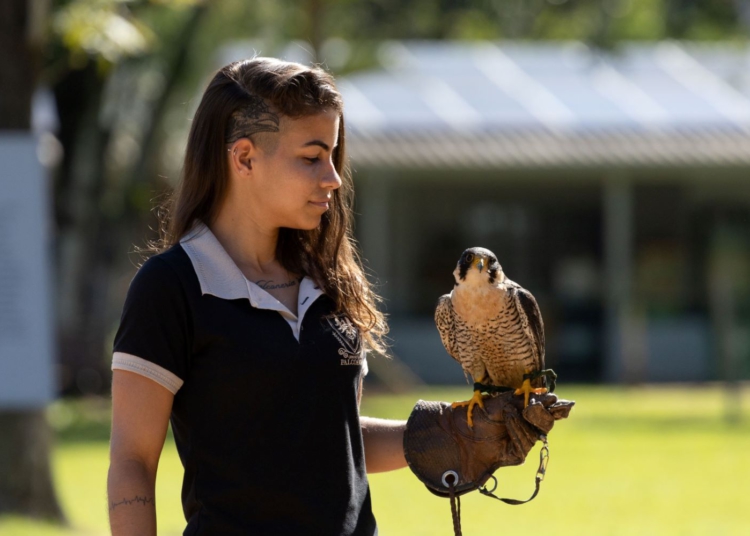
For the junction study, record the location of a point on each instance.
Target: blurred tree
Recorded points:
(598, 22)
(25, 479)
(111, 76)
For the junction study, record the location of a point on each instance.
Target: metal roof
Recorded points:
(550, 104)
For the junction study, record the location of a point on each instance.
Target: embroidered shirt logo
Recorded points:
(348, 337)
(345, 326)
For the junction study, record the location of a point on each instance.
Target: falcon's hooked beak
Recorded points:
(479, 263)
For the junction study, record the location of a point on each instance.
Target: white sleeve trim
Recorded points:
(133, 363)
(365, 368)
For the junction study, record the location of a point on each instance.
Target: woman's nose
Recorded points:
(331, 179)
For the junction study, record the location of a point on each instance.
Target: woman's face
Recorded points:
(291, 184)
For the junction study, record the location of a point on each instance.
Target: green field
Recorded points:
(641, 461)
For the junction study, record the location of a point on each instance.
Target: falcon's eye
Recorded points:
(469, 257)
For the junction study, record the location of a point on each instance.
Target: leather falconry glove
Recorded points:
(438, 439)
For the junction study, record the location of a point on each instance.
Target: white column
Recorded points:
(26, 333)
(374, 227)
(624, 350)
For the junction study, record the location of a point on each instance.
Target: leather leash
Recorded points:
(456, 501)
(455, 507)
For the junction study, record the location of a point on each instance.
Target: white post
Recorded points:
(26, 349)
(624, 350)
(373, 229)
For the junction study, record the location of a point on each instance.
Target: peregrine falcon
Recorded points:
(492, 326)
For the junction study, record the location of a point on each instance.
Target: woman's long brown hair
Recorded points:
(328, 254)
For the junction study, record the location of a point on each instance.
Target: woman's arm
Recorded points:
(140, 415)
(384, 444)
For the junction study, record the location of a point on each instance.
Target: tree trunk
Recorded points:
(79, 184)
(16, 68)
(25, 438)
(315, 14)
(25, 477)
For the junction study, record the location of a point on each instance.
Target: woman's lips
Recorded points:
(321, 204)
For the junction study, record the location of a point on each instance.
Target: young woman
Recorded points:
(248, 329)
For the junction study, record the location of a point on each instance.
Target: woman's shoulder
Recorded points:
(168, 270)
(174, 256)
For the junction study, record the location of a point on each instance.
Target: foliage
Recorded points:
(108, 31)
(600, 22)
(99, 28)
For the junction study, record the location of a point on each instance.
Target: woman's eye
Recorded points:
(312, 160)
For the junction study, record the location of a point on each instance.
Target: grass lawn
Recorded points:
(648, 460)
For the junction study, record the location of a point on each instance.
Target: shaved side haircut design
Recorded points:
(251, 119)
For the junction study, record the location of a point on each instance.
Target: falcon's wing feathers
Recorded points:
(534, 317)
(445, 320)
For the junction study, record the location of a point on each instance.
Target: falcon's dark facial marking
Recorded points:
(493, 267)
(493, 275)
(464, 263)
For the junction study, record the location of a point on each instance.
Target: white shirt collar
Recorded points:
(219, 275)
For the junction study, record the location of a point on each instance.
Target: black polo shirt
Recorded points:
(265, 413)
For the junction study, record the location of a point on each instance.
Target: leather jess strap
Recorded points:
(456, 501)
(455, 509)
(540, 472)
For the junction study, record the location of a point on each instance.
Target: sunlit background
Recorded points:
(599, 148)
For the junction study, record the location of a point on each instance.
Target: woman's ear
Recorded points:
(241, 155)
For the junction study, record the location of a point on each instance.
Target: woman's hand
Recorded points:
(140, 415)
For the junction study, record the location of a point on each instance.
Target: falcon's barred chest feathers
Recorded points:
(491, 325)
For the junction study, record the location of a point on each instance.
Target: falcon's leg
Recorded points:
(476, 400)
(526, 389)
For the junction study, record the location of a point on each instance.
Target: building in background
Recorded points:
(613, 185)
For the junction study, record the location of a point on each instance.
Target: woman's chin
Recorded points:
(308, 225)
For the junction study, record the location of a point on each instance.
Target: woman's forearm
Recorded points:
(384, 444)
(132, 500)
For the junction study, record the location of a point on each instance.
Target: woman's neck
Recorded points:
(251, 245)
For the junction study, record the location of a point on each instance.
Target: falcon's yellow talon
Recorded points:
(526, 389)
(476, 400)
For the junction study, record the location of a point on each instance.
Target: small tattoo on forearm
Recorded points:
(267, 284)
(135, 500)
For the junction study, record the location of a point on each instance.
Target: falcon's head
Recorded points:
(478, 266)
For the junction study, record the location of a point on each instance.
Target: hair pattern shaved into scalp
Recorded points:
(251, 119)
